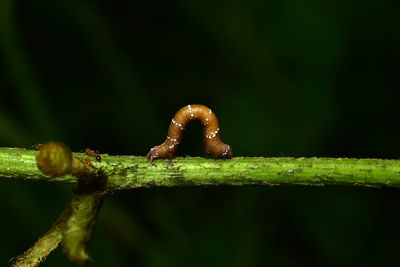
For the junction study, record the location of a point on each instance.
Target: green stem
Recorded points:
(73, 228)
(128, 172)
(80, 225)
(45, 245)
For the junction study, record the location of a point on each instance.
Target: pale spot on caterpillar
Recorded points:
(212, 143)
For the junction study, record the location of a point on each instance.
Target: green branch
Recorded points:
(128, 172)
(74, 228)
(45, 245)
(95, 180)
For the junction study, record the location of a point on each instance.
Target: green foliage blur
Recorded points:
(285, 78)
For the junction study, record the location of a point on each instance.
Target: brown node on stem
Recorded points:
(55, 159)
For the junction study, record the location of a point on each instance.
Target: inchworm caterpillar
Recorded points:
(212, 143)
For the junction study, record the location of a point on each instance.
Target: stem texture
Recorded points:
(128, 172)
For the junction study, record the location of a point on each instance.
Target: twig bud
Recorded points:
(54, 159)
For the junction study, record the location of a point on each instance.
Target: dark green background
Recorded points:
(285, 78)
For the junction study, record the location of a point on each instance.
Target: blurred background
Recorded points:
(285, 78)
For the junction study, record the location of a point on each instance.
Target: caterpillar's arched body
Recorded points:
(212, 143)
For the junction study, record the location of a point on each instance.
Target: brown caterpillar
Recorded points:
(212, 143)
